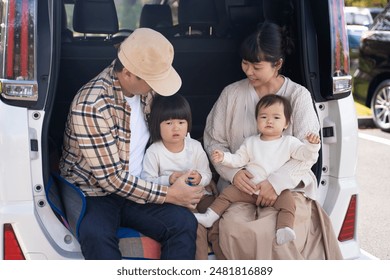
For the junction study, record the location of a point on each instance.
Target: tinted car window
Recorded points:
(128, 15)
(382, 21)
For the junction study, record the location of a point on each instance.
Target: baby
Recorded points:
(261, 155)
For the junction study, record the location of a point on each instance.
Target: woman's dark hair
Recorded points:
(269, 43)
(167, 108)
(271, 99)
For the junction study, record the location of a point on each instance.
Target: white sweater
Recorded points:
(232, 119)
(261, 158)
(159, 163)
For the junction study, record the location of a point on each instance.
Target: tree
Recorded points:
(366, 3)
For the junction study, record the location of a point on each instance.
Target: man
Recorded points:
(104, 143)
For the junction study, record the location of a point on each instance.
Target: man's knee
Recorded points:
(186, 220)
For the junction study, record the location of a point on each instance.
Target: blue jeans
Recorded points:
(171, 225)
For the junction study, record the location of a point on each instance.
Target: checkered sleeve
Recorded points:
(98, 146)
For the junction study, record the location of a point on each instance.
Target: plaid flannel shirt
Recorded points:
(97, 142)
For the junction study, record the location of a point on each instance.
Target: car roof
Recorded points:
(356, 27)
(356, 9)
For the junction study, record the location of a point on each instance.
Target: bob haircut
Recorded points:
(168, 108)
(272, 99)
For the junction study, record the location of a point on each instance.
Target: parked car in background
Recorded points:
(358, 16)
(358, 21)
(375, 11)
(355, 32)
(372, 78)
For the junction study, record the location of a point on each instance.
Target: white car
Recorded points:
(358, 16)
(49, 48)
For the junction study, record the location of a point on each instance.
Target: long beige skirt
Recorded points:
(247, 232)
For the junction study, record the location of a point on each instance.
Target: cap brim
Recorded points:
(167, 86)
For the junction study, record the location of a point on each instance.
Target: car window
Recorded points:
(382, 21)
(348, 18)
(128, 12)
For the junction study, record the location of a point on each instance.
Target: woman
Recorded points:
(245, 232)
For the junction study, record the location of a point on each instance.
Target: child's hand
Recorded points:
(217, 156)
(174, 176)
(257, 189)
(313, 138)
(194, 178)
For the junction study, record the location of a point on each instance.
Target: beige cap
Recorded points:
(149, 55)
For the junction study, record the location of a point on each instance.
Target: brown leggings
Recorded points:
(285, 204)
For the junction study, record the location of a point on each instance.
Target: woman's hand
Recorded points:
(267, 195)
(243, 181)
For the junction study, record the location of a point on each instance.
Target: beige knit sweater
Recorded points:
(232, 119)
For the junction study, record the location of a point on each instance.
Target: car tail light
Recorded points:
(342, 84)
(12, 250)
(17, 50)
(342, 81)
(347, 231)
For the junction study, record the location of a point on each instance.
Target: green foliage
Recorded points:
(366, 3)
(128, 15)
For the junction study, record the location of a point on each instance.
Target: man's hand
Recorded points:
(267, 195)
(243, 181)
(184, 195)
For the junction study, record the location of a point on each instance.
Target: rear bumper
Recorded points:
(366, 256)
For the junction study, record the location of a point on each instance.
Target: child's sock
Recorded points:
(208, 218)
(284, 235)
